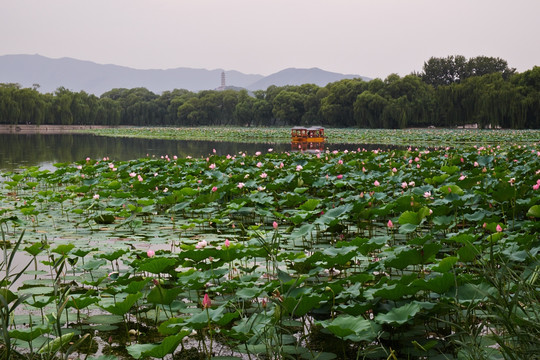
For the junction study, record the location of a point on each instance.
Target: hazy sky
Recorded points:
(372, 38)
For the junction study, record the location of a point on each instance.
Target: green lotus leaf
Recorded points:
(63, 249)
(345, 325)
(114, 255)
(450, 170)
(162, 296)
(400, 315)
(534, 211)
(445, 264)
(29, 334)
(451, 189)
(310, 204)
(409, 217)
(167, 346)
(157, 265)
(124, 306)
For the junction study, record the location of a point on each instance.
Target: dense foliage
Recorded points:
(417, 254)
(449, 92)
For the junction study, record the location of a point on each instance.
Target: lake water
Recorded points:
(17, 150)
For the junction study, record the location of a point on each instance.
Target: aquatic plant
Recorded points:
(418, 253)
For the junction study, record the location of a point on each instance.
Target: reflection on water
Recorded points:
(17, 150)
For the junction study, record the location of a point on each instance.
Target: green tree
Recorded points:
(444, 71)
(368, 109)
(288, 107)
(483, 65)
(243, 112)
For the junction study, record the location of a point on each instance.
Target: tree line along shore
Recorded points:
(449, 92)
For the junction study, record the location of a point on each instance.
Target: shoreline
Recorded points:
(48, 129)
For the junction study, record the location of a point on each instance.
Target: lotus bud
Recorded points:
(206, 303)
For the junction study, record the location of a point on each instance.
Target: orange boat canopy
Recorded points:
(311, 134)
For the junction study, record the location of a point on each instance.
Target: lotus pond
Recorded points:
(400, 254)
(406, 137)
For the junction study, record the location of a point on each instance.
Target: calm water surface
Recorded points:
(18, 150)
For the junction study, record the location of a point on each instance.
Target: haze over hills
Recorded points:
(77, 75)
(294, 76)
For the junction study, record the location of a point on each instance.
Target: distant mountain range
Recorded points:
(77, 75)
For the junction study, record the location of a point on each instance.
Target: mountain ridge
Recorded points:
(94, 78)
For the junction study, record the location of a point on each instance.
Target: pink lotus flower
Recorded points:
(394, 170)
(240, 185)
(299, 167)
(150, 253)
(259, 164)
(390, 224)
(340, 162)
(132, 174)
(462, 177)
(275, 225)
(404, 185)
(281, 165)
(214, 189)
(412, 183)
(536, 186)
(475, 164)
(376, 183)
(484, 225)
(227, 243)
(212, 166)
(139, 177)
(201, 244)
(264, 175)
(499, 228)
(96, 197)
(427, 194)
(257, 153)
(339, 177)
(206, 303)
